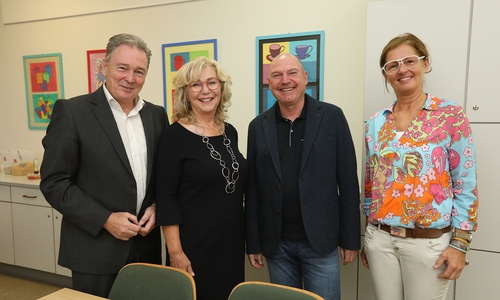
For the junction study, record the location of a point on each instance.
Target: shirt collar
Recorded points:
(303, 113)
(139, 102)
(428, 105)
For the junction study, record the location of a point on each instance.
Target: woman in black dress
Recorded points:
(201, 178)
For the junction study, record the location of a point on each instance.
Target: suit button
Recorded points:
(278, 211)
(278, 187)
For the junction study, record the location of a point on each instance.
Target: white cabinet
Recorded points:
(6, 235)
(442, 25)
(479, 280)
(5, 193)
(482, 102)
(365, 284)
(488, 165)
(348, 276)
(29, 227)
(57, 218)
(33, 230)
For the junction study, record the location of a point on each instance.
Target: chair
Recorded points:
(148, 281)
(252, 290)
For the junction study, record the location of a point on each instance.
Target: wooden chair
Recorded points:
(252, 290)
(149, 281)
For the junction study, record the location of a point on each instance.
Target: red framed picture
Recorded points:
(95, 61)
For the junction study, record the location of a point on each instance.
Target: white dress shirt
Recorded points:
(134, 140)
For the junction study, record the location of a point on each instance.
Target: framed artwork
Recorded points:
(95, 60)
(177, 54)
(44, 85)
(308, 47)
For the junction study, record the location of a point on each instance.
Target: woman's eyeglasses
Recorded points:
(211, 83)
(409, 62)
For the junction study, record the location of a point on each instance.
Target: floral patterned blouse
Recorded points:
(427, 177)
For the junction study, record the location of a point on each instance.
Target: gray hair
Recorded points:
(127, 39)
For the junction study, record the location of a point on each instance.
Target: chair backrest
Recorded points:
(148, 281)
(269, 291)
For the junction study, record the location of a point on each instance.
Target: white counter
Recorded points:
(21, 181)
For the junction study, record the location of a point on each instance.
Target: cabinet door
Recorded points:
(442, 25)
(479, 280)
(6, 235)
(348, 278)
(5, 193)
(33, 237)
(488, 165)
(57, 240)
(482, 92)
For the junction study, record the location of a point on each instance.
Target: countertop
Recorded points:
(21, 181)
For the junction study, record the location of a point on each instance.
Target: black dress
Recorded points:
(190, 191)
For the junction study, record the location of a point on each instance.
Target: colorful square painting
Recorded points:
(307, 47)
(44, 85)
(177, 54)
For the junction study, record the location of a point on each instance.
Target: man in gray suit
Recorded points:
(98, 171)
(302, 200)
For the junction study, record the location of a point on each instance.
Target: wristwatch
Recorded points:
(462, 235)
(460, 245)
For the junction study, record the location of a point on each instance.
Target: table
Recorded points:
(69, 294)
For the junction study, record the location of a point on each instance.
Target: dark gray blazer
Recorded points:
(86, 176)
(328, 182)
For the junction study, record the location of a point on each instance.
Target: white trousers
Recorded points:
(403, 268)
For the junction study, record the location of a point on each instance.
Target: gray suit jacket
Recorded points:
(328, 182)
(86, 176)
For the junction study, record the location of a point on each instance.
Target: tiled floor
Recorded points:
(13, 288)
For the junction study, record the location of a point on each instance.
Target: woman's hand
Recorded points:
(364, 259)
(455, 260)
(181, 261)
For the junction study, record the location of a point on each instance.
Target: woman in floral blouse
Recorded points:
(420, 185)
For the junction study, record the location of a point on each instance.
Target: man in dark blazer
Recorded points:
(98, 171)
(302, 200)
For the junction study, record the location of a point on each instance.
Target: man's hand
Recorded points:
(122, 225)
(348, 256)
(148, 221)
(256, 260)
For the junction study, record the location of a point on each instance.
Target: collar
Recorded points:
(430, 104)
(139, 102)
(303, 113)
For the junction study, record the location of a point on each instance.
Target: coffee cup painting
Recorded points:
(307, 47)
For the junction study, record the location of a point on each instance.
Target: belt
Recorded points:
(428, 233)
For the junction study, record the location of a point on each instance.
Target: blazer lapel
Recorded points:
(105, 117)
(271, 134)
(313, 120)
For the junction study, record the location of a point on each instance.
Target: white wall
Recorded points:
(234, 23)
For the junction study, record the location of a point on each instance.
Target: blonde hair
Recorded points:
(191, 72)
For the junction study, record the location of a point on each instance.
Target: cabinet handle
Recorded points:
(31, 197)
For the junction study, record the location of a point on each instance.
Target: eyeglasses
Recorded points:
(211, 83)
(409, 62)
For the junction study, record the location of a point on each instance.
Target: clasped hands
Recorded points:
(124, 225)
